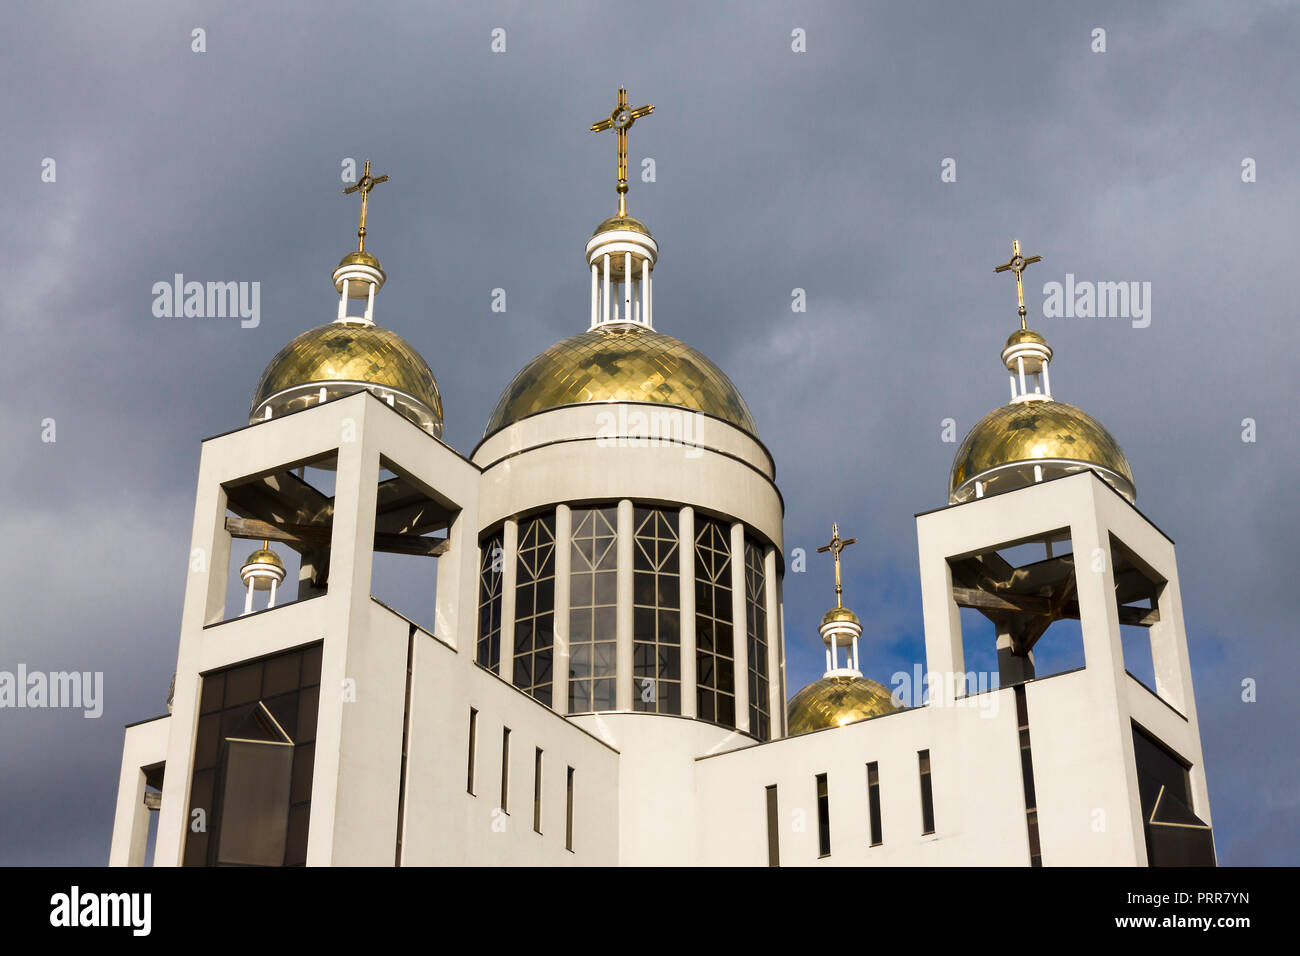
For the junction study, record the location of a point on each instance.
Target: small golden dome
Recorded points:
(263, 556)
(359, 258)
(1022, 336)
(621, 364)
(345, 357)
(1003, 447)
(624, 223)
(836, 701)
(840, 614)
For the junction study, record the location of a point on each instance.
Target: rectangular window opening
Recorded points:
(473, 743)
(823, 816)
(568, 811)
(927, 793)
(873, 803)
(537, 791)
(505, 769)
(773, 829)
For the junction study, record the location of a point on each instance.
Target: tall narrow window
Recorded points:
(489, 602)
(823, 816)
(656, 613)
(756, 638)
(505, 769)
(593, 599)
(537, 790)
(473, 745)
(535, 607)
(568, 810)
(715, 697)
(773, 829)
(873, 803)
(927, 794)
(1027, 777)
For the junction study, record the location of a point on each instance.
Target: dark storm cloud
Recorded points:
(775, 170)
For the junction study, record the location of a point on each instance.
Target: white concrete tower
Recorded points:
(1041, 528)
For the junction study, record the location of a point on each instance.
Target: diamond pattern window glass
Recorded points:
(656, 612)
(491, 562)
(756, 639)
(535, 606)
(715, 665)
(593, 599)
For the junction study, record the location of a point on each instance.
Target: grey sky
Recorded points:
(775, 170)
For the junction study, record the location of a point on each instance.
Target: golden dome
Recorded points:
(838, 614)
(263, 556)
(625, 223)
(1003, 447)
(1021, 336)
(359, 257)
(344, 357)
(621, 364)
(836, 701)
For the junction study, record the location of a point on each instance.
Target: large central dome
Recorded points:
(621, 364)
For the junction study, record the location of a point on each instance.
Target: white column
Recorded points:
(1047, 382)
(370, 304)
(604, 296)
(563, 560)
(739, 625)
(248, 599)
(509, 577)
(1013, 386)
(343, 300)
(595, 297)
(1020, 367)
(627, 286)
(686, 564)
(645, 291)
(271, 603)
(775, 703)
(649, 301)
(623, 616)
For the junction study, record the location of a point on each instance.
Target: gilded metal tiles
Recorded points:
(836, 701)
(621, 365)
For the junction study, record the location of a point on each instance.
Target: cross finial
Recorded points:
(366, 184)
(837, 545)
(1017, 264)
(621, 121)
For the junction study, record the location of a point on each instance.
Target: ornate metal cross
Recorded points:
(1017, 264)
(837, 545)
(366, 184)
(621, 121)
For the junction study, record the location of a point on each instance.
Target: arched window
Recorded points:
(756, 638)
(491, 562)
(656, 612)
(593, 600)
(715, 664)
(535, 606)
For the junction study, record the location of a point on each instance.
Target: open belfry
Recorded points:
(601, 679)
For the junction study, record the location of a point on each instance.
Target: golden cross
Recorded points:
(1017, 264)
(366, 184)
(621, 121)
(837, 545)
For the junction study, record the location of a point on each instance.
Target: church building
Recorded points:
(602, 680)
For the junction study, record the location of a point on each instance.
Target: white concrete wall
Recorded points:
(979, 808)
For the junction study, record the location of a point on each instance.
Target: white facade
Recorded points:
(650, 788)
